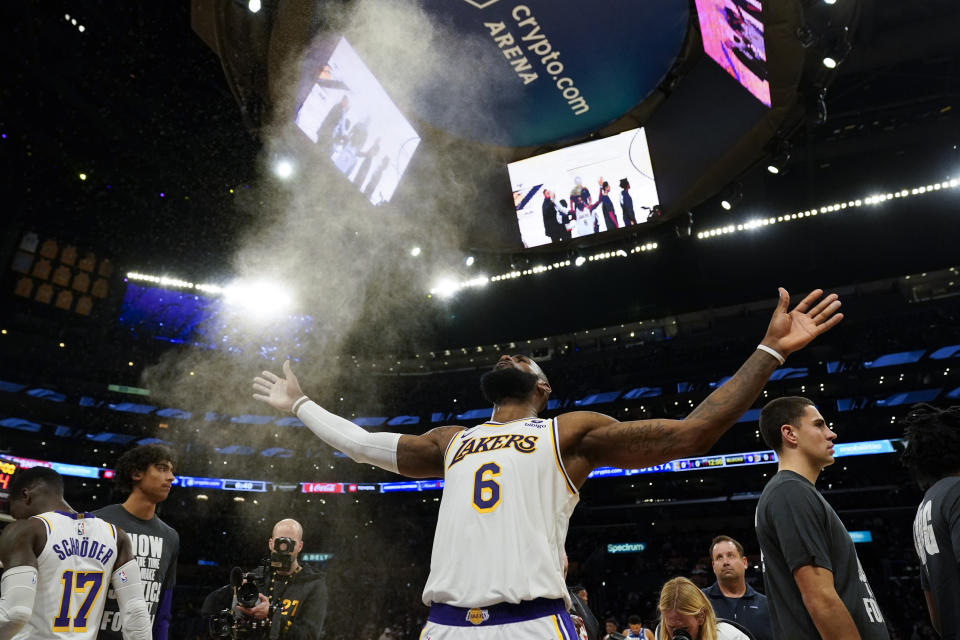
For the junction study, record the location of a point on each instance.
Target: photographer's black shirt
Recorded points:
(936, 537)
(796, 528)
(301, 601)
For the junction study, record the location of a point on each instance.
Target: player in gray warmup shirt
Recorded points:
(815, 585)
(933, 457)
(147, 473)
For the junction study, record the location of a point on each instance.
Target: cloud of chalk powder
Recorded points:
(346, 263)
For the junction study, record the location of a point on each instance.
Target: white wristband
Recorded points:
(297, 404)
(378, 449)
(773, 352)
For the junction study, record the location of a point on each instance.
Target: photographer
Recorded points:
(284, 598)
(686, 614)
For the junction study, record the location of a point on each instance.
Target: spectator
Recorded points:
(610, 626)
(635, 629)
(584, 621)
(732, 598)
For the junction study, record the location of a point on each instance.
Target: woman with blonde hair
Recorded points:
(684, 608)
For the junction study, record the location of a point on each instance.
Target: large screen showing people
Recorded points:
(345, 111)
(732, 33)
(585, 189)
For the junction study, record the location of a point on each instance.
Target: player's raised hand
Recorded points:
(279, 393)
(791, 331)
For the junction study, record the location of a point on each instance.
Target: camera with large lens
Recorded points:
(281, 558)
(681, 634)
(230, 623)
(248, 591)
(220, 625)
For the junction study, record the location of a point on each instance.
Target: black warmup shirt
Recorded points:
(796, 528)
(936, 536)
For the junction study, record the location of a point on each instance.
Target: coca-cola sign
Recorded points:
(322, 487)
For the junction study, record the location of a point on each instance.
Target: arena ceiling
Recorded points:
(174, 180)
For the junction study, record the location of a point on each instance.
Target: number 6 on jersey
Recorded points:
(486, 491)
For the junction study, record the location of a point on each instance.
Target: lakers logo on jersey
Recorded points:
(523, 444)
(477, 616)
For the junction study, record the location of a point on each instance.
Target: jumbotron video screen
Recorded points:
(585, 189)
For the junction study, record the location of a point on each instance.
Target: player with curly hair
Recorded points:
(933, 457)
(145, 473)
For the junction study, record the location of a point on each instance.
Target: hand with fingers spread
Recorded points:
(793, 330)
(279, 393)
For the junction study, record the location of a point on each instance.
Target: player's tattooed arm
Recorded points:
(591, 440)
(422, 456)
(644, 443)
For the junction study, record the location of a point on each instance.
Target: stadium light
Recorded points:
(469, 261)
(779, 163)
(258, 297)
(579, 261)
(254, 6)
(415, 252)
(837, 48)
(283, 169)
(726, 204)
(445, 288)
(871, 200)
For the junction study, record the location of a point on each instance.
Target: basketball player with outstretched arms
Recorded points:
(510, 484)
(59, 565)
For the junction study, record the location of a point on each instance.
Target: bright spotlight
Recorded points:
(829, 1)
(469, 261)
(415, 252)
(283, 169)
(579, 261)
(829, 62)
(726, 205)
(774, 169)
(445, 288)
(254, 6)
(259, 297)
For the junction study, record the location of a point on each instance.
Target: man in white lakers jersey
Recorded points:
(57, 565)
(510, 484)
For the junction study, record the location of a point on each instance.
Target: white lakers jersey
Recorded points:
(585, 223)
(73, 576)
(503, 517)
